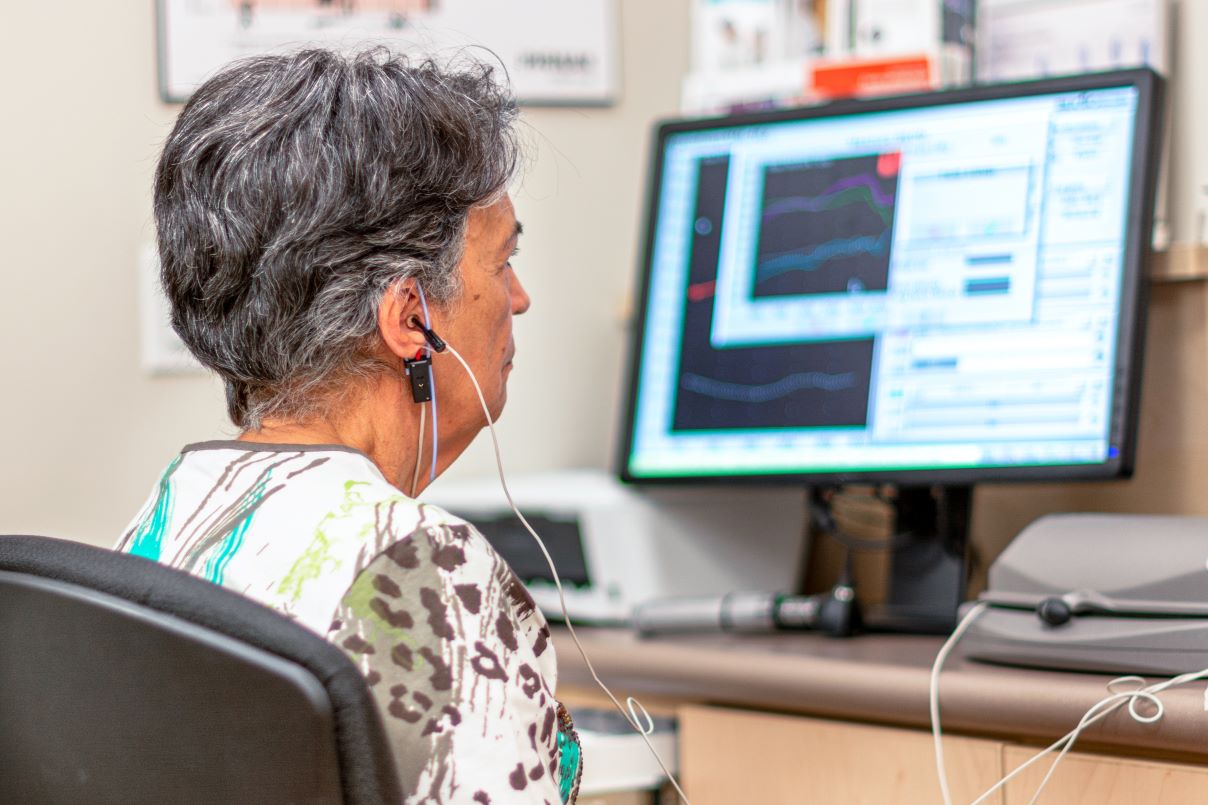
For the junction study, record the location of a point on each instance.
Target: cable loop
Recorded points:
(1137, 694)
(1118, 696)
(643, 723)
(1138, 683)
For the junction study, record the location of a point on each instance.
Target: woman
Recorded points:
(323, 223)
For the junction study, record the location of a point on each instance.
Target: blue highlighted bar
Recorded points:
(987, 285)
(934, 363)
(989, 259)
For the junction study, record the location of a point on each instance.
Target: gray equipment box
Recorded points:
(1101, 593)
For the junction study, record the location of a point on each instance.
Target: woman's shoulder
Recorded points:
(424, 537)
(338, 489)
(291, 525)
(443, 551)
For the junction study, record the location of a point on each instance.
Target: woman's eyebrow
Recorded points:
(516, 233)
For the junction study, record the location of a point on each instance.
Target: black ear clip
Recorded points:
(434, 341)
(419, 370)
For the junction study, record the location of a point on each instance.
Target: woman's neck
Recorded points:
(380, 423)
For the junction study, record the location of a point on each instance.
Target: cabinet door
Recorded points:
(734, 756)
(1098, 780)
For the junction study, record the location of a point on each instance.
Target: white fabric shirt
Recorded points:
(454, 650)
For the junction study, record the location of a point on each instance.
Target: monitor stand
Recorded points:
(929, 569)
(928, 562)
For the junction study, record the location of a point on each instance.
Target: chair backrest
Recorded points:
(124, 681)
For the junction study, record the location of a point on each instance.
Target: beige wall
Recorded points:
(85, 431)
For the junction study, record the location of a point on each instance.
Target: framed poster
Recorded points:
(555, 51)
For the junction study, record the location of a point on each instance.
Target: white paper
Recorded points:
(896, 27)
(732, 34)
(753, 87)
(554, 51)
(735, 35)
(803, 33)
(1020, 39)
(839, 28)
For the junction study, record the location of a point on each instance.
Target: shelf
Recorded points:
(1180, 262)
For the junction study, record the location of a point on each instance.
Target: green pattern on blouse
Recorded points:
(320, 556)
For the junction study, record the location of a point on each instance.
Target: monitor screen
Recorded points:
(935, 288)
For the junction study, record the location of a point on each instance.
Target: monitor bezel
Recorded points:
(1133, 301)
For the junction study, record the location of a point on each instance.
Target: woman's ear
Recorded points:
(399, 316)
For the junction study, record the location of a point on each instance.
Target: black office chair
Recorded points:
(123, 681)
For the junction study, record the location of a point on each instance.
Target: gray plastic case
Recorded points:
(1137, 585)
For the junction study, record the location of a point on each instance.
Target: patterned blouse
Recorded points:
(457, 656)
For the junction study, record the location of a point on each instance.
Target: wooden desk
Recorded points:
(803, 718)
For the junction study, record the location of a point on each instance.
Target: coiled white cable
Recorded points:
(1098, 711)
(634, 714)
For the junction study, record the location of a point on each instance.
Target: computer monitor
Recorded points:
(943, 288)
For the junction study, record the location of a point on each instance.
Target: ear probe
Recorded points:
(434, 340)
(419, 368)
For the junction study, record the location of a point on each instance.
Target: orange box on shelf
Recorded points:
(852, 78)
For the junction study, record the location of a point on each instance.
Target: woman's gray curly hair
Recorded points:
(294, 191)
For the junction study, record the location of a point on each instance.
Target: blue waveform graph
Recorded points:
(839, 248)
(825, 226)
(767, 392)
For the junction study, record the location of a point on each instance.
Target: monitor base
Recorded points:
(928, 562)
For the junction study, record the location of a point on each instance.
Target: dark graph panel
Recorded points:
(826, 226)
(819, 384)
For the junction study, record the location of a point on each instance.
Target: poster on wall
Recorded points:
(554, 51)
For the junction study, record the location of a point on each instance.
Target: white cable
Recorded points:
(1108, 705)
(630, 715)
(419, 451)
(1098, 711)
(1088, 718)
(423, 301)
(934, 696)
